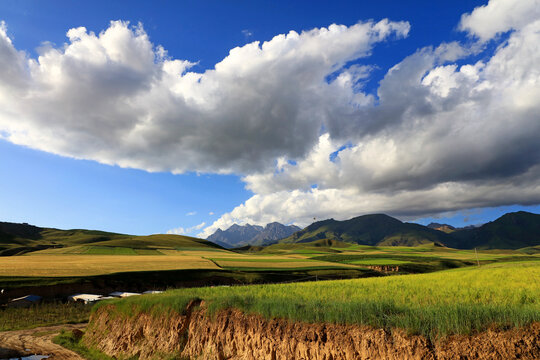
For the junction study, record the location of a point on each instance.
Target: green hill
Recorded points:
(511, 231)
(17, 239)
(376, 229)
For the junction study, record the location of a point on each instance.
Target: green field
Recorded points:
(43, 315)
(92, 259)
(453, 291)
(459, 301)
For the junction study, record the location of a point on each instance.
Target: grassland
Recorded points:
(92, 260)
(461, 301)
(21, 239)
(43, 315)
(72, 342)
(89, 265)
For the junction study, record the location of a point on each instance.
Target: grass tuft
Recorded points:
(71, 341)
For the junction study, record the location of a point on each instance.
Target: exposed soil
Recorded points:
(383, 268)
(232, 335)
(37, 341)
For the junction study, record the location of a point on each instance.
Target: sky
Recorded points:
(185, 117)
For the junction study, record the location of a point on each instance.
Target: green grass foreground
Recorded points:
(458, 301)
(72, 342)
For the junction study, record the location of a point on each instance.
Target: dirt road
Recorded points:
(37, 341)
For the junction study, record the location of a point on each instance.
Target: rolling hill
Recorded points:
(376, 229)
(518, 230)
(17, 239)
(511, 231)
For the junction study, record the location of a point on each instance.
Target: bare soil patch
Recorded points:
(37, 341)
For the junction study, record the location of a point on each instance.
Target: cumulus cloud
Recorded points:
(116, 98)
(185, 231)
(290, 115)
(499, 16)
(442, 137)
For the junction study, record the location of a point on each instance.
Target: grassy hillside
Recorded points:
(18, 239)
(510, 231)
(454, 301)
(377, 229)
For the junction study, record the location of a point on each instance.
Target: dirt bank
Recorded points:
(36, 341)
(233, 335)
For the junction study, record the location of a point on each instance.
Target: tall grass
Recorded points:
(43, 315)
(461, 301)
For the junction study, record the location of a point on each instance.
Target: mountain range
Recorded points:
(510, 231)
(515, 230)
(238, 235)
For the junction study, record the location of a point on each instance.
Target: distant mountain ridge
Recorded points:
(238, 235)
(449, 228)
(517, 230)
(441, 227)
(374, 229)
(510, 231)
(514, 230)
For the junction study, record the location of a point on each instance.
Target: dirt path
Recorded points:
(37, 341)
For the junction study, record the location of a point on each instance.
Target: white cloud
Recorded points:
(211, 213)
(443, 137)
(185, 231)
(440, 135)
(302, 206)
(499, 16)
(191, 213)
(116, 98)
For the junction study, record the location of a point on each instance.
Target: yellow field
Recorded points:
(58, 264)
(86, 265)
(87, 260)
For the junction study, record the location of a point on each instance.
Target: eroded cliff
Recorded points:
(231, 334)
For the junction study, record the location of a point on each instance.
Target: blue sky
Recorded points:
(125, 144)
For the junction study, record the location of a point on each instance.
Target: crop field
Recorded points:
(463, 301)
(88, 265)
(272, 262)
(122, 260)
(90, 260)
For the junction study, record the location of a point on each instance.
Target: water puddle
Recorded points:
(31, 357)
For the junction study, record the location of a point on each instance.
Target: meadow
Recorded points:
(90, 265)
(95, 260)
(458, 301)
(43, 315)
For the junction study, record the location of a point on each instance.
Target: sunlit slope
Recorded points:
(17, 239)
(45, 265)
